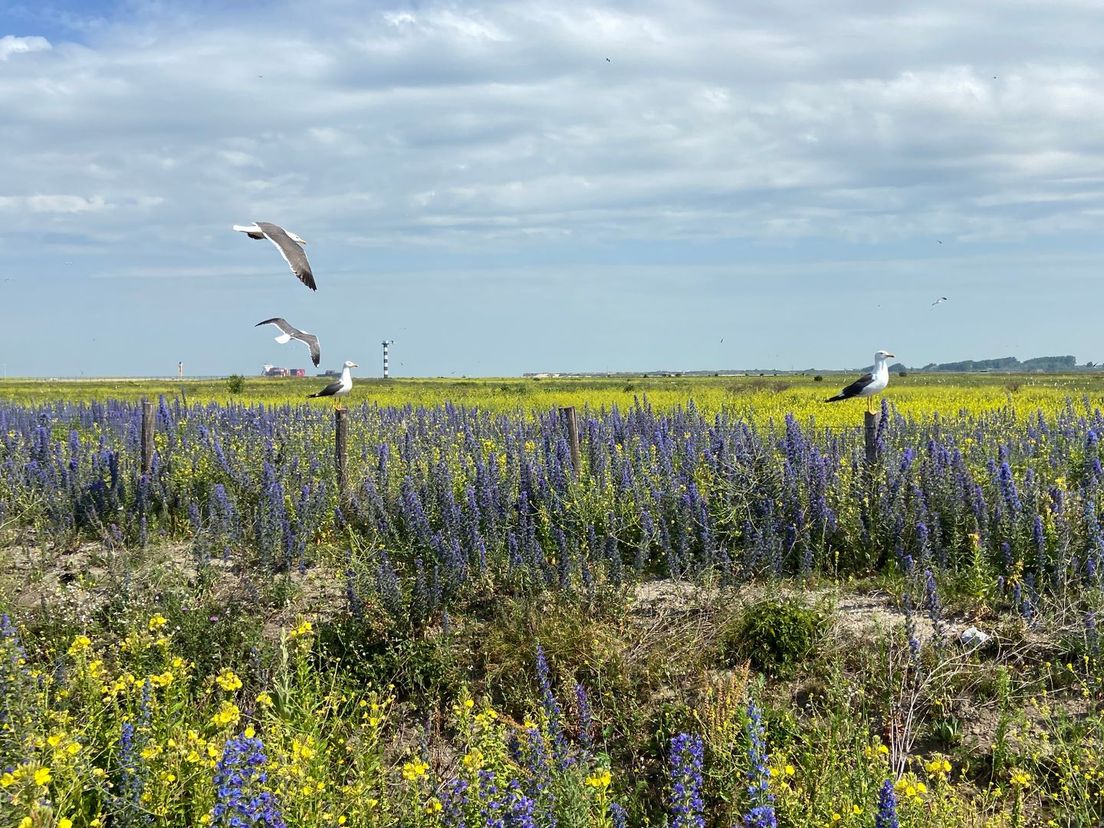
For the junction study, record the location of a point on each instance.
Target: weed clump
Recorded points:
(775, 635)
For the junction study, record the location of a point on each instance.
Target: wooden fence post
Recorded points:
(341, 455)
(568, 412)
(870, 436)
(147, 436)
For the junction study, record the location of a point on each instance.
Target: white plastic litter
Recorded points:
(973, 637)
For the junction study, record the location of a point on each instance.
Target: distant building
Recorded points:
(274, 371)
(297, 372)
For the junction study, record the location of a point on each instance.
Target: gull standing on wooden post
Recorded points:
(289, 332)
(868, 384)
(338, 388)
(289, 245)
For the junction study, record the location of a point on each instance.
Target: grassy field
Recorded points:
(757, 398)
(721, 617)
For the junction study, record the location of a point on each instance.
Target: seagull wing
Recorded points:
(854, 389)
(328, 391)
(280, 323)
(311, 341)
(293, 254)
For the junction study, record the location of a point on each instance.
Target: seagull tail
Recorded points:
(836, 398)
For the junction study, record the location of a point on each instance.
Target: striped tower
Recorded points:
(386, 343)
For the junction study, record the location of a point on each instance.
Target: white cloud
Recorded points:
(54, 204)
(511, 116)
(12, 45)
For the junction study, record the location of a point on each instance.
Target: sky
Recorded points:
(522, 186)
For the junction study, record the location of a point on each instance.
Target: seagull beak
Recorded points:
(891, 356)
(355, 365)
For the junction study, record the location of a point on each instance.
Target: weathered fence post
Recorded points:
(147, 436)
(568, 413)
(341, 455)
(870, 436)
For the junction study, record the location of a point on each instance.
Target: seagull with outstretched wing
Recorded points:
(939, 301)
(289, 245)
(289, 332)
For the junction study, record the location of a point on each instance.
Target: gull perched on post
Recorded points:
(338, 388)
(868, 384)
(289, 245)
(288, 333)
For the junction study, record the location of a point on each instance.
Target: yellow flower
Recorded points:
(264, 699)
(473, 760)
(1020, 778)
(42, 776)
(79, 645)
(938, 766)
(73, 748)
(836, 817)
(790, 771)
(433, 806)
(6, 780)
(414, 770)
(228, 680)
(228, 715)
(599, 779)
(157, 621)
(303, 629)
(301, 750)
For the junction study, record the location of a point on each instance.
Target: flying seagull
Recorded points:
(338, 388)
(289, 333)
(289, 245)
(868, 384)
(939, 301)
